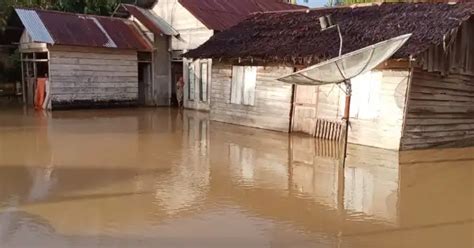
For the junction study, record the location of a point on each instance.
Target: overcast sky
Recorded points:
(313, 3)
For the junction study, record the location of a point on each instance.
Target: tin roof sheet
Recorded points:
(34, 26)
(82, 30)
(151, 21)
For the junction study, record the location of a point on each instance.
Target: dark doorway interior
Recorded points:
(34, 66)
(176, 73)
(144, 83)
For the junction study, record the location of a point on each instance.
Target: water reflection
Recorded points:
(159, 177)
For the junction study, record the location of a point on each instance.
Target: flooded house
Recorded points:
(420, 98)
(157, 90)
(75, 60)
(196, 22)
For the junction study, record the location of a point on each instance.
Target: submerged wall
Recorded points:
(88, 77)
(377, 108)
(440, 111)
(272, 99)
(162, 73)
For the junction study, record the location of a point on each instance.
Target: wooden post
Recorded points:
(23, 84)
(347, 115)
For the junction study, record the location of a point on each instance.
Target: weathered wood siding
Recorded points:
(385, 130)
(192, 32)
(440, 111)
(93, 75)
(272, 99)
(162, 72)
(382, 130)
(197, 103)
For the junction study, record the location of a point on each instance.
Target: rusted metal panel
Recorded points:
(151, 21)
(34, 26)
(62, 28)
(222, 14)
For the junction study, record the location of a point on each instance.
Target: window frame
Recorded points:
(203, 98)
(191, 80)
(243, 80)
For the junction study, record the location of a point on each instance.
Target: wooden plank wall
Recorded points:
(272, 99)
(93, 74)
(161, 95)
(383, 131)
(440, 111)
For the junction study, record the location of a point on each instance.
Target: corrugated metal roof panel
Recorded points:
(222, 14)
(34, 26)
(110, 42)
(151, 21)
(86, 30)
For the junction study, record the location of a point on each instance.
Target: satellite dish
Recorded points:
(343, 68)
(347, 66)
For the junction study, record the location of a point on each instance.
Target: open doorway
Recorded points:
(176, 73)
(145, 79)
(35, 67)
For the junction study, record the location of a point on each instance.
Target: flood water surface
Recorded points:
(164, 178)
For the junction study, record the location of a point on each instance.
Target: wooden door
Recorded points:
(305, 109)
(316, 113)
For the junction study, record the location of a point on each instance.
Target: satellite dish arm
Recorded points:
(340, 39)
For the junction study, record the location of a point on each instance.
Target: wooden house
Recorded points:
(89, 61)
(422, 97)
(157, 88)
(196, 22)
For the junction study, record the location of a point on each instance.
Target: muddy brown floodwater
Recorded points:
(161, 178)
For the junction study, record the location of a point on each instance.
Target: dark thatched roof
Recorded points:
(295, 37)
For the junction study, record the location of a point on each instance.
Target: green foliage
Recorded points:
(13, 71)
(96, 7)
(6, 7)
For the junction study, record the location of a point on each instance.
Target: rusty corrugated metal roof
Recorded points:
(222, 14)
(151, 21)
(63, 28)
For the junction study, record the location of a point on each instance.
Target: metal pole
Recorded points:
(340, 39)
(23, 84)
(347, 114)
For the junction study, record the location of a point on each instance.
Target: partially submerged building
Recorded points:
(422, 97)
(157, 87)
(196, 22)
(88, 60)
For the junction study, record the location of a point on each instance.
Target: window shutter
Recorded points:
(191, 77)
(237, 84)
(250, 81)
(204, 82)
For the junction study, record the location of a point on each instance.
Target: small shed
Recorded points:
(88, 61)
(422, 97)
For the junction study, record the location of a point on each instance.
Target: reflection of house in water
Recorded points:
(151, 179)
(377, 193)
(309, 170)
(188, 183)
(368, 184)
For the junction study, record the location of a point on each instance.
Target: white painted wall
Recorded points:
(193, 32)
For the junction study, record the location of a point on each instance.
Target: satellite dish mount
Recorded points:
(342, 69)
(327, 23)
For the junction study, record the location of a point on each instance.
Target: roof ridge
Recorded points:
(70, 13)
(354, 6)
